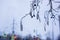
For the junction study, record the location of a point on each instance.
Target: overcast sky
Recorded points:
(10, 9)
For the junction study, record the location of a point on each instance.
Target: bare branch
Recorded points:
(57, 1)
(21, 25)
(34, 6)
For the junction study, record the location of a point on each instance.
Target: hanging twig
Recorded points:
(21, 25)
(53, 16)
(34, 6)
(46, 17)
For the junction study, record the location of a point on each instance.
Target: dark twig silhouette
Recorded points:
(53, 16)
(34, 6)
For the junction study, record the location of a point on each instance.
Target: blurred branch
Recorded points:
(58, 7)
(57, 1)
(50, 11)
(34, 6)
(21, 25)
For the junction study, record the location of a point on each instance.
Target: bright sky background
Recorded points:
(10, 9)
